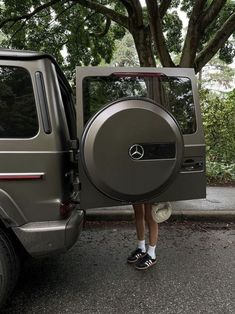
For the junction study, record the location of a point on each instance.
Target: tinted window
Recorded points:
(17, 104)
(173, 93)
(178, 91)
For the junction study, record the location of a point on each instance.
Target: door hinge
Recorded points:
(74, 144)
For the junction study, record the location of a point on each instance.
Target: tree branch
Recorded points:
(164, 7)
(62, 12)
(133, 8)
(109, 13)
(105, 30)
(157, 33)
(192, 36)
(140, 32)
(128, 5)
(18, 30)
(84, 21)
(215, 43)
(211, 13)
(29, 15)
(135, 14)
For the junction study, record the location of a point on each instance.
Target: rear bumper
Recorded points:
(50, 237)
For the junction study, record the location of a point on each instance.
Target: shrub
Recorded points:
(218, 172)
(218, 113)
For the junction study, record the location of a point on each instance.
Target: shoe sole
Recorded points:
(145, 268)
(132, 262)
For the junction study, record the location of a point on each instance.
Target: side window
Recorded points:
(17, 104)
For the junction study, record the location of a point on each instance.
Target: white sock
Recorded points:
(151, 251)
(141, 245)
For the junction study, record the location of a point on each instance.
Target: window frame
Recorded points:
(85, 89)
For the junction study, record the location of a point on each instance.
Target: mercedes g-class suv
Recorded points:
(134, 135)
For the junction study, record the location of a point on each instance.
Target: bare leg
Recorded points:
(139, 221)
(149, 259)
(152, 225)
(140, 250)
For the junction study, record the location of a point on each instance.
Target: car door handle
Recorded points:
(193, 164)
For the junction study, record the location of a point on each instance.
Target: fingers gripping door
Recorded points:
(132, 149)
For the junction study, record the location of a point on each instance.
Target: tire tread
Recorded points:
(10, 264)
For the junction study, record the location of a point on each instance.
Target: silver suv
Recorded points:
(134, 135)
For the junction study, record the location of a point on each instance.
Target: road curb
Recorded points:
(109, 215)
(128, 215)
(219, 215)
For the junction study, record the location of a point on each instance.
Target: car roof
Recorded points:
(15, 54)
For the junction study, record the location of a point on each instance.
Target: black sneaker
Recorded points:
(135, 255)
(145, 262)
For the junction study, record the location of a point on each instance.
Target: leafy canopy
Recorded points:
(84, 31)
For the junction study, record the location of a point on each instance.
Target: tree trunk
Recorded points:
(142, 39)
(155, 23)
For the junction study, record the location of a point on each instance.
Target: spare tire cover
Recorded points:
(132, 149)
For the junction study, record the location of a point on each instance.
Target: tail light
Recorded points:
(139, 74)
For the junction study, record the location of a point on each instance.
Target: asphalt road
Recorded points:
(194, 274)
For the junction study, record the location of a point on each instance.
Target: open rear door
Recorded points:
(141, 136)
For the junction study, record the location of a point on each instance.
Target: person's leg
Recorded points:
(149, 259)
(140, 230)
(152, 225)
(140, 221)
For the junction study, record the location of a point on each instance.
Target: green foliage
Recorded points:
(73, 34)
(173, 28)
(218, 172)
(217, 73)
(76, 35)
(219, 124)
(175, 3)
(227, 52)
(125, 53)
(187, 6)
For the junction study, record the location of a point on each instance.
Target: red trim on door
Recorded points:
(138, 74)
(21, 176)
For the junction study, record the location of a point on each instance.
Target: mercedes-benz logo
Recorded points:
(136, 151)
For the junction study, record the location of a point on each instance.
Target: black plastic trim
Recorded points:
(158, 150)
(43, 102)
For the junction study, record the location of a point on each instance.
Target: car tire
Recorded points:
(9, 267)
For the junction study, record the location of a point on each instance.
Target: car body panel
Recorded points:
(190, 181)
(36, 173)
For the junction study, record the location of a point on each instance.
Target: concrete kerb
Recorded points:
(110, 214)
(219, 205)
(199, 215)
(127, 214)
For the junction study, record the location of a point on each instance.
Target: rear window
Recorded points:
(173, 93)
(17, 104)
